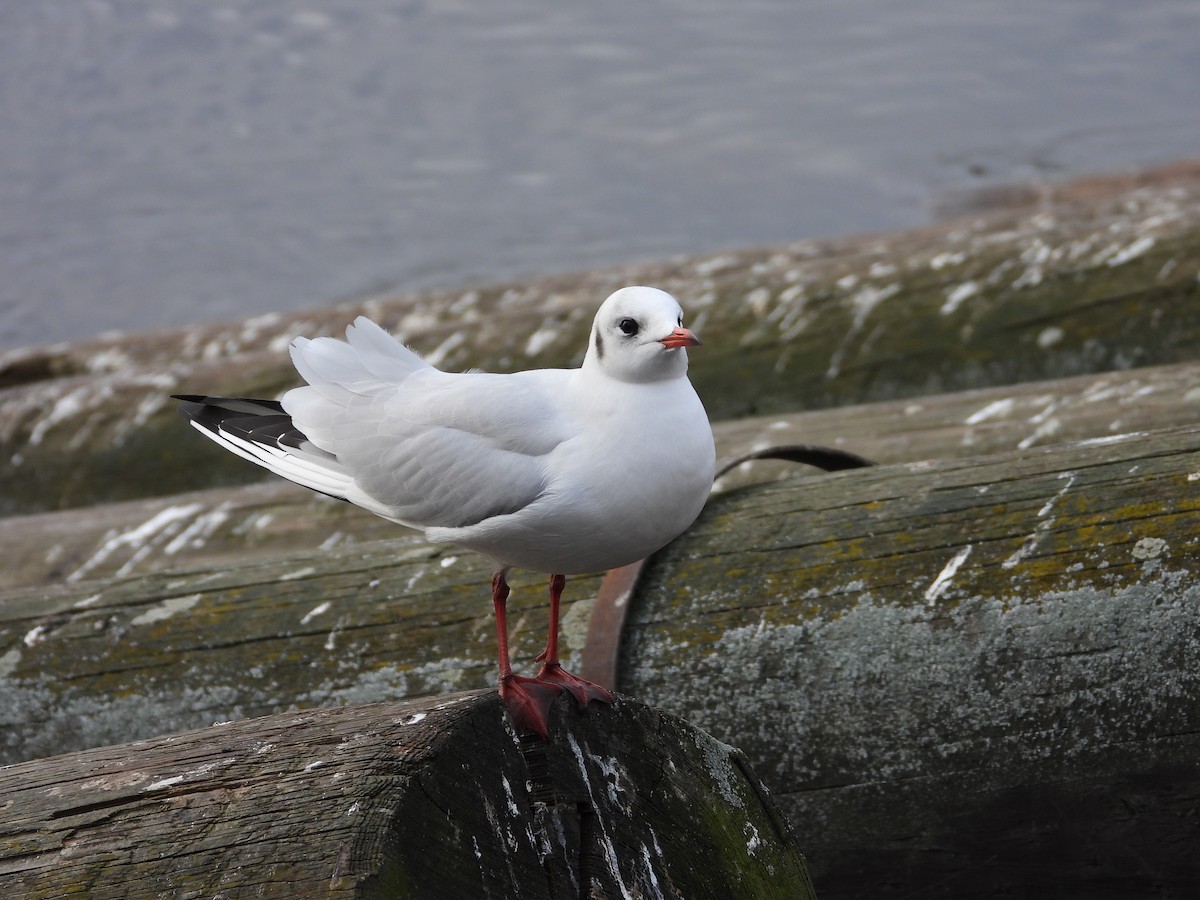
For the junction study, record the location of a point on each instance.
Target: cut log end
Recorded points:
(435, 797)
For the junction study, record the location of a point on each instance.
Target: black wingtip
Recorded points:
(190, 406)
(227, 406)
(262, 421)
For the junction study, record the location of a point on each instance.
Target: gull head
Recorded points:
(638, 335)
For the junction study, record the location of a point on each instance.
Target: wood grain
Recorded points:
(429, 798)
(967, 676)
(221, 526)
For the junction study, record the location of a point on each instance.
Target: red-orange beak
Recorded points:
(680, 337)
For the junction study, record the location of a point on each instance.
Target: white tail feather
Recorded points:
(311, 472)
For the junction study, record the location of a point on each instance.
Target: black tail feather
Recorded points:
(261, 421)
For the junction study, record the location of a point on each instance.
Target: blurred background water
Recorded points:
(171, 162)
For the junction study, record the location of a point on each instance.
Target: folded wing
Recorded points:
(378, 426)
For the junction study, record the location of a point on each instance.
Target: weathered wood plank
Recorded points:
(1087, 281)
(1059, 528)
(224, 525)
(969, 677)
(977, 422)
(119, 659)
(427, 798)
(957, 674)
(975, 675)
(1116, 202)
(216, 527)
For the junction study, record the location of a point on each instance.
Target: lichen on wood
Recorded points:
(427, 798)
(910, 654)
(226, 525)
(118, 659)
(970, 669)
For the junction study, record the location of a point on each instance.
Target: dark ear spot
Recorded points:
(599, 344)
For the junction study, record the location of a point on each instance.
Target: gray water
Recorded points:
(172, 162)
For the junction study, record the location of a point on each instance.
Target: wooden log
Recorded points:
(427, 798)
(957, 675)
(1006, 418)
(1054, 587)
(960, 676)
(909, 655)
(969, 677)
(211, 528)
(222, 526)
(113, 659)
(1088, 280)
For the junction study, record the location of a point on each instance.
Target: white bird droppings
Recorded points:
(1070, 479)
(66, 406)
(139, 538)
(510, 800)
(445, 348)
(317, 610)
(1132, 252)
(862, 303)
(166, 609)
(540, 340)
(298, 574)
(1050, 337)
(944, 577)
(1001, 407)
(1045, 429)
(198, 532)
(330, 541)
(942, 260)
(955, 297)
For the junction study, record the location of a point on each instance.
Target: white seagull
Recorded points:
(564, 471)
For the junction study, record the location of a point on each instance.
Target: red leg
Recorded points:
(557, 583)
(528, 699)
(552, 670)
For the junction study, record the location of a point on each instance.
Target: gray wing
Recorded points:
(425, 447)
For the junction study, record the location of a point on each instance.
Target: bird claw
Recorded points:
(583, 691)
(529, 701)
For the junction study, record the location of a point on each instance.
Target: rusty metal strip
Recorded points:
(603, 646)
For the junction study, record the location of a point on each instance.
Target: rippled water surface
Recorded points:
(163, 163)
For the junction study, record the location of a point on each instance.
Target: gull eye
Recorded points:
(629, 327)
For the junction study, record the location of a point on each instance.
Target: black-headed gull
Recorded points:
(565, 471)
